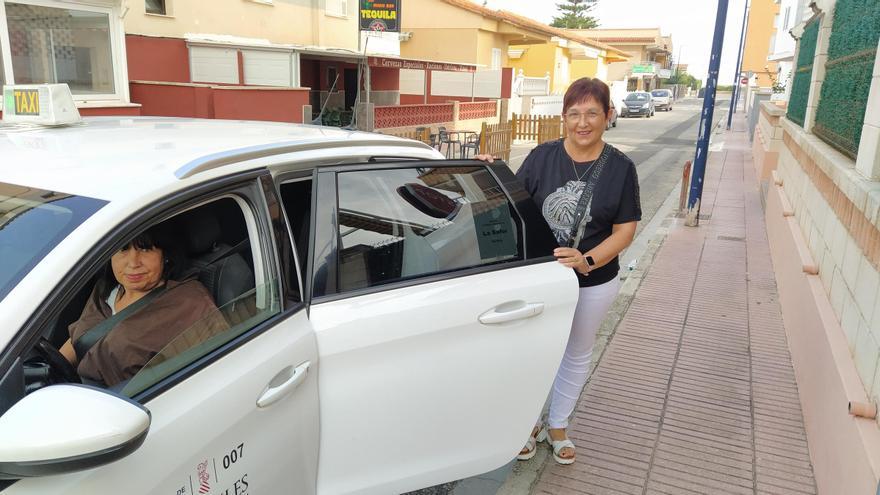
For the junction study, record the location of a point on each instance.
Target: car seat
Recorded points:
(219, 267)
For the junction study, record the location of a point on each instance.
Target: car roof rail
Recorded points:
(228, 157)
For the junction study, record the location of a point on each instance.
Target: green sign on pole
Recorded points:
(643, 69)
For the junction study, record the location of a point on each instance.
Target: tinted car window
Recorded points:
(399, 224)
(32, 222)
(660, 93)
(637, 97)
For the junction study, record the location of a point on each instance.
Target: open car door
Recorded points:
(441, 319)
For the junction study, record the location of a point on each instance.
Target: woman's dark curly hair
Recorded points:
(160, 236)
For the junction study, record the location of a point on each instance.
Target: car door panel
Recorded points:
(199, 423)
(415, 390)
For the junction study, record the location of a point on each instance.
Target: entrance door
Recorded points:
(351, 87)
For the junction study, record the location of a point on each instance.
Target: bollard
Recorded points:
(685, 178)
(862, 409)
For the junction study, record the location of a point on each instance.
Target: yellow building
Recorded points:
(650, 54)
(464, 32)
(565, 59)
(335, 25)
(760, 34)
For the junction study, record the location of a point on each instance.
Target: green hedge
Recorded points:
(848, 72)
(803, 73)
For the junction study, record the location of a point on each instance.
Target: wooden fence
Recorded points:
(422, 134)
(540, 128)
(495, 140)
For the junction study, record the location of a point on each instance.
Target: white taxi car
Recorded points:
(394, 320)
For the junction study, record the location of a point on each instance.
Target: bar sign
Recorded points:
(27, 101)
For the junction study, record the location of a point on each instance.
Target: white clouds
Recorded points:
(690, 22)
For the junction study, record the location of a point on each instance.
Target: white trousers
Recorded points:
(593, 303)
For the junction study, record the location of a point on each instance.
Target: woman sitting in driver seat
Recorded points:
(150, 262)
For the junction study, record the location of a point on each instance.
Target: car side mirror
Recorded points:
(64, 428)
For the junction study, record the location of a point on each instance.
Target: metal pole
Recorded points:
(699, 170)
(739, 54)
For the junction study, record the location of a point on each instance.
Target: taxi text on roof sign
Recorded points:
(27, 101)
(40, 104)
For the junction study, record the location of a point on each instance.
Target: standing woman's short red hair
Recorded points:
(584, 89)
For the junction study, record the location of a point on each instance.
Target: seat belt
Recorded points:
(94, 335)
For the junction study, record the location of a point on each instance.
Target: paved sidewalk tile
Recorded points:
(695, 393)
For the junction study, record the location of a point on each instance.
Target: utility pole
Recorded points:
(699, 170)
(739, 55)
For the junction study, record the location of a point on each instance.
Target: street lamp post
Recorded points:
(699, 171)
(739, 55)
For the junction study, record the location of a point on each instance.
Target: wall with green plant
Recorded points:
(848, 73)
(803, 73)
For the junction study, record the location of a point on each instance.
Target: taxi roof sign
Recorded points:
(40, 104)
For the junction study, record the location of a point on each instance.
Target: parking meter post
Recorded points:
(739, 54)
(699, 171)
(685, 175)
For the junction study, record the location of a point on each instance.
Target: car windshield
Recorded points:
(32, 222)
(660, 93)
(637, 97)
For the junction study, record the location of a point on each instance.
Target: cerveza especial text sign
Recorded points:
(380, 15)
(396, 63)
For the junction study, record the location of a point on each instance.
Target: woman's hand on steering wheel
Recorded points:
(59, 364)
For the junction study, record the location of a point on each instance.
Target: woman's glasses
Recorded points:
(575, 117)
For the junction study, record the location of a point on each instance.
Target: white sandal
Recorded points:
(531, 446)
(557, 446)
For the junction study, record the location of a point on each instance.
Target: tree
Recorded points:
(684, 79)
(574, 15)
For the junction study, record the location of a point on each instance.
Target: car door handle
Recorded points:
(516, 310)
(292, 378)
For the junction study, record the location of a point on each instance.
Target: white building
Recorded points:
(782, 45)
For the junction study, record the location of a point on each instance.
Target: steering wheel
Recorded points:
(57, 361)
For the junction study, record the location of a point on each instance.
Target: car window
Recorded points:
(399, 224)
(660, 93)
(32, 222)
(637, 97)
(207, 276)
(210, 332)
(223, 252)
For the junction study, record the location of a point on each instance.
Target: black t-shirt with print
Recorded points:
(548, 174)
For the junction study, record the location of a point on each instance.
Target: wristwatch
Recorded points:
(590, 261)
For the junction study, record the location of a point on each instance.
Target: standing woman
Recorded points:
(591, 236)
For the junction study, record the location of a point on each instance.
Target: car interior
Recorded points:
(296, 196)
(218, 253)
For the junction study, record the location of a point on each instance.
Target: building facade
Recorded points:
(761, 35)
(650, 55)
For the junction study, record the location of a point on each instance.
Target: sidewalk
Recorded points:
(695, 392)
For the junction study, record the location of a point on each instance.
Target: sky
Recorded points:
(690, 22)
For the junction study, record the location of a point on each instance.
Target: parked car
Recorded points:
(638, 103)
(662, 99)
(612, 121)
(422, 291)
